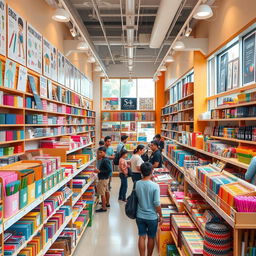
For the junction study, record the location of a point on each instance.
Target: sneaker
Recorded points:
(101, 210)
(108, 205)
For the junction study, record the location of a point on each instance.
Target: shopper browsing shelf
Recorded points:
(136, 162)
(104, 173)
(156, 156)
(110, 154)
(101, 144)
(149, 209)
(122, 143)
(123, 174)
(160, 141)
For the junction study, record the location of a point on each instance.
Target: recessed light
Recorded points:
(163, 68)
(97, 69)
(204, 11)
(61, 15)
(178, 45)
(91, 59)
(107, 80)
(169, 59)
(82, 46)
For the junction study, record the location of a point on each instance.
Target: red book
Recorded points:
(8, 100)
(9, 135)
(19, 119)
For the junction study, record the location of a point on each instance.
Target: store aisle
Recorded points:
(112, 233)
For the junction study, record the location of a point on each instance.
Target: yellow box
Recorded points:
(164, 238)
(31, 193)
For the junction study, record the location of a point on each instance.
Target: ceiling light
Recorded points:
(130, 81)
(163, 68)
(188, 31)
(102, 74)
(107, 80)
(130, 68)
(73, 32)
(82, 46)
(61, 15)
(204, 11)
(178, 45)
(97, 69)
(159, 73)
(169, 59)
(91, 59)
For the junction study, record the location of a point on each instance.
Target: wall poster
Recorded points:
(235, 78)
(17, 32)
(22, 79)
(2, 27)
(61, 68)
(108, 103)
(223, 72)
(230, 75)
(67, 74)
(34, 49)
(146, 103)
(43, 87)
(249, 59)
(54, 63)
(47, 58)
(128, 103)
(9, 74)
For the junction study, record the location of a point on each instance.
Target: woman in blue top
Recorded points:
(149, 209)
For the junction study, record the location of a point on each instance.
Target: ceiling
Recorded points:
(114, 55)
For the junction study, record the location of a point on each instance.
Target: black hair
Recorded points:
(124, 137)
(101, 143)
(139, 147)
(155, 142)
(146, 169)
(158, 136)
(20, 22)
(123, 152)
(107, 138)
(102, 149)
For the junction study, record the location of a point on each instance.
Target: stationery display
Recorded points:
(192, 243)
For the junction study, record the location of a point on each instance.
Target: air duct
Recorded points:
(165, 15)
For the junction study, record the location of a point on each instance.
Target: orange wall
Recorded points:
(39, 14)
(183, 62)
(160, 102)
(230, 16)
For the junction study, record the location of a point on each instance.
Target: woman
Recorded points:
(149, 210)
(123, 174)
(136, 162)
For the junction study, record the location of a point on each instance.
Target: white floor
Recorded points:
(112, 233)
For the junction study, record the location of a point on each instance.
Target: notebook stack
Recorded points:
(12, 100)
(33, 247)
(9, 135)
(192, 243)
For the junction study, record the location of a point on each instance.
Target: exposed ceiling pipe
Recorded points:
(165, 15)
(130, 22)
(103, 29)
(122, 22)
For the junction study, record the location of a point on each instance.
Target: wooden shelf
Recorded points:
(186, 97)
(179, 205)
(229, 119)
(234, 140)
(128, 110)
(186, 109)
(176, 243)
(236, 105)
(10, 142)
(170, 130)
(174, 122)
(11, 107)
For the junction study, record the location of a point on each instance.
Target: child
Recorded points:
(104, 172)
(101, 144)
(123, 174)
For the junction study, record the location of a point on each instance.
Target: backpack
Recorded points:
(132, 204)
(117, 157)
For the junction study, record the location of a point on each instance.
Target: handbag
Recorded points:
(132, 204)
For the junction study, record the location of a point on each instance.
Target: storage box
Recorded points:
(50, 181)
(45, 185)
(11, 205)
(38, 188)
(31, 192)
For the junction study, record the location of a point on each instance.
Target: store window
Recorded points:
(128, 89)
(111, 94)
(146, 94)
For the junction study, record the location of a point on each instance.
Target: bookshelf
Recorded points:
(139, 126)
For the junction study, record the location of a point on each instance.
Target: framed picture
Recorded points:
(9, 74)
(235, 72)
(2, 27)
(22, 79)
(109, 103)
(230, 75)
(223, 70)
(249, 58)
(128, 103)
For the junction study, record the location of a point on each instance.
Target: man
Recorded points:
(149, 212)
(110, 155)
(122, 143)
(160, 141)
(104, 171)
(156, 156)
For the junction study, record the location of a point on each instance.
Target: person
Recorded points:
(156, 156)
(136, 162)
(149, 209)
(110, 154)
(160, 141)
(104, 172)
(122, 143)
(101, 144)
(123, 174)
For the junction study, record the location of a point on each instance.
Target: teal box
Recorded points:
(171, 250)
(39, 188)
(23, 197)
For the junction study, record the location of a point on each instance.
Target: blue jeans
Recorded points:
(136, 176)
(123, 187)
(147, 227)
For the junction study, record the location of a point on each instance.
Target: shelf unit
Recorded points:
(40, 201)
(179, 116)
(133, 126)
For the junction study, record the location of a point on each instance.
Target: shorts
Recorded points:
(147, 227)
(102, 187)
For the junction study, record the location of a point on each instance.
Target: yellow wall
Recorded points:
(39, 15)
(183, 62)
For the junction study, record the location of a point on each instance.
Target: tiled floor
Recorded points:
(112, 233)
